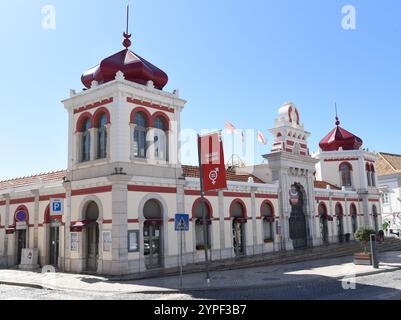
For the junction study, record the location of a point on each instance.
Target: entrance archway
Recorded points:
(21, 218)
(153, 234)
(323, 215)
(298, 228)
(238, 213)
(91, 215)
(340, 222)
(53, 230)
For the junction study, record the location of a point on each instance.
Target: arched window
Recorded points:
(141, 126)
(322, 209)
(160, 139)
(345, 170)
(200, 223)
(86, 141)
(102, 137)
(368, 175)
(267, 211)
(372, 174)
(340, 222)
(354, 218)
(239, 215)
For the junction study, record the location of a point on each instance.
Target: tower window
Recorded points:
(141, 125)
(160, 139)
(102, 137)
(345, 171)
(86, 140)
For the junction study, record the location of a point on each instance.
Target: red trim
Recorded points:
(326, 211)
(23, 200)
(267, 202)
(197, 193)
(345, 163)
(302, 153)
(288, 150)
(3, 203)
(339, 205)
(82, 192)
(152, 189)
(94, 105)
(322, 199)
(52, 196)
(338, 199)
(290, 143)
(244, 211)
(107, 221)
(350, 209)
(342, 159)
(82, 118)
(207, 203)
(297, 113)
(303, 146)
(164, 117)
(146, 113)
(133, 221)
(373, 200)
(279, 135)
(98, 113)
(150, 105)
(266, 196)
(237, 195)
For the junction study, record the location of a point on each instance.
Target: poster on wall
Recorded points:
(133, 241)
(107, 241)
(74, 241)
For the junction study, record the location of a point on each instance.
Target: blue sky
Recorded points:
(232, 60)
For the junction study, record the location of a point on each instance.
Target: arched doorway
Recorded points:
(323, 216)
(354, 218)
(21, 219)
(298, 229)
(340, 222)
(238, 214)
(197, 215)
(375, 218)
(91, 215)
(152, 234)
(54, 236)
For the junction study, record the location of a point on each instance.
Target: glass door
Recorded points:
(152, 246)
(54, 245)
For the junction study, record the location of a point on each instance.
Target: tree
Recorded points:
(363, 235)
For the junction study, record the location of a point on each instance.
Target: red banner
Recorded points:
(212, 162)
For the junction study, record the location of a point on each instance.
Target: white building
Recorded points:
(125, 183)
(389, 175)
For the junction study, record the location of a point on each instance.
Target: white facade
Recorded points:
(119, 208)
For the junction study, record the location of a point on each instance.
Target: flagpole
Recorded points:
(205, 235)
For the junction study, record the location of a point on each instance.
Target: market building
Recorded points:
(125, 182)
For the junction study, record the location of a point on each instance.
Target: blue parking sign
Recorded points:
(56, 207)
(182, 222)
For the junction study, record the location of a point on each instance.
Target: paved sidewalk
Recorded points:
(277, 275)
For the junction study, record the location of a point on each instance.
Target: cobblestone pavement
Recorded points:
(384, 286)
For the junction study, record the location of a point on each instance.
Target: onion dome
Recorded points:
(134, 67)
(340, 138)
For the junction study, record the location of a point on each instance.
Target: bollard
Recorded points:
(373, 250)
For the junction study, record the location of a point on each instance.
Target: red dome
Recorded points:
(135, 69)
(340, 138)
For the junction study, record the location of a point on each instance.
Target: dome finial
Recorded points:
(127, 42)
(337, 118)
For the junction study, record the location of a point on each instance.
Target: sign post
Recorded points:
(212, 171)
(181, 225)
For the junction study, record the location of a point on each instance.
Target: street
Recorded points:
(383, 286)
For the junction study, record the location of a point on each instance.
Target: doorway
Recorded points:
(54, 245)
(21, 244)
(92, 238)
(153, 234)
(238, 238)
(298, 229)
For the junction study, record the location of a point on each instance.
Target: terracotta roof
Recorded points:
(193, 172)
(323, 185)
(388, 163)
(26, 181)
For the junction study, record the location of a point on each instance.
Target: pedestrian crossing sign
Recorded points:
(181, 222)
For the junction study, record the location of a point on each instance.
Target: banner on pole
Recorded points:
(212, 162)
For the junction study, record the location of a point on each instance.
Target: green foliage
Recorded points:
(363, 234)
(386, 225)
